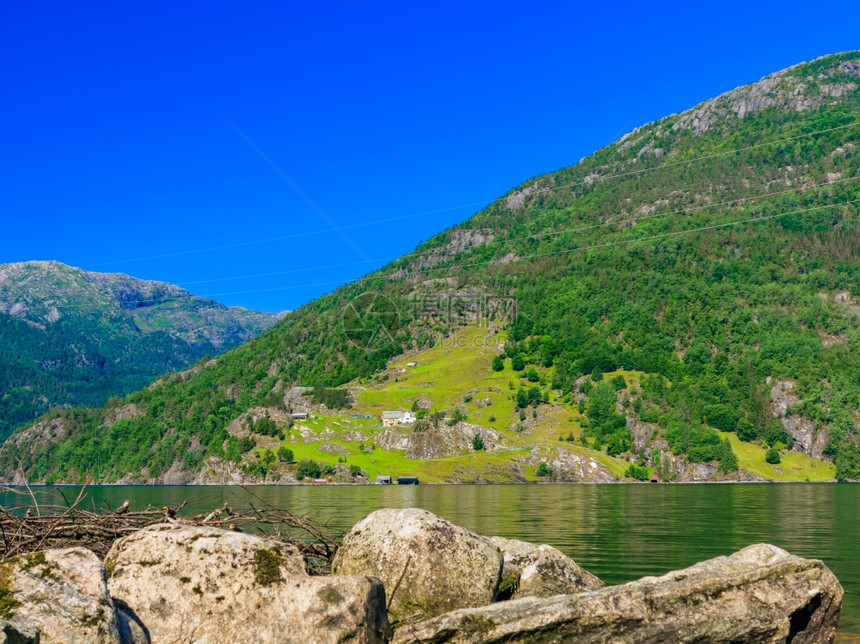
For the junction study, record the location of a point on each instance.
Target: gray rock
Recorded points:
(567, 464)
(12, 634)
(809, 439)
(759, 594)
(214, 586)
(60, 594)
(542, 571)
(428, 565)
(782, 90)
(446, 440)
(334, 448)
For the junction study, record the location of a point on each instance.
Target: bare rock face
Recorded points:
(209, 585)
(542, 571)
(428, 565)
(808, 438)
(760, 594)
(60, 594)
(12, 634)
(334, 448)
(782, 90)
(569, 465)
(446, 440)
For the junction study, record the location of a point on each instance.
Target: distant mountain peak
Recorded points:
(46, 290)
(64, 329)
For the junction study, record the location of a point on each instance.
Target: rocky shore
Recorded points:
(404, 576)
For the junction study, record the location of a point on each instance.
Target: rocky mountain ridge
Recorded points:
(72, 337)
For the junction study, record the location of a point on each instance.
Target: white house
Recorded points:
(392, 418)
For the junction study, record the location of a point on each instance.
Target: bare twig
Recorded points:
(64, 524)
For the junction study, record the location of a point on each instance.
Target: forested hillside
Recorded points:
(69, 337)
(715, 253)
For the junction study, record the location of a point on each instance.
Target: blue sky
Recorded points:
(122, 121)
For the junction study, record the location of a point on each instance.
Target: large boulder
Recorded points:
(12, 634)
(212, 586)
(541, 571)
(429, 565)
(760, 594)
(60, 594)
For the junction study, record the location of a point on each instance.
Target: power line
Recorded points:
(307, 199)
(697, 159)
(542, 235)
(586, 246)
(477, 203)
(661, 235)
(530, 236)
(288, 237)
(289, 272)
(563, 251)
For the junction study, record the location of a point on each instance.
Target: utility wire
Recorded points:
(310, 233)
(542, 235)
(429, 212)
(591, 246)
(569, 250)
(695, 159)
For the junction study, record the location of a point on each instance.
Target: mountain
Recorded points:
(69, 337)
(684, 301)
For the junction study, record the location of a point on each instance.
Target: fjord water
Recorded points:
(618, 532)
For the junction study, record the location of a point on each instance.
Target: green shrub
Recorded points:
(772, 456)
(745, 430)
(456, 417)
(331, 398)
(265, 426)
(651, 414)
(720, 416)
(308, 469)
(638, 472)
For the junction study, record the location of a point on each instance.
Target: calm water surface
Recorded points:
(618, 532)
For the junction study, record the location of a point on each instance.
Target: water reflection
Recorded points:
(619, 532)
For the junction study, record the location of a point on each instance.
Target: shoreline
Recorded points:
(312, 485)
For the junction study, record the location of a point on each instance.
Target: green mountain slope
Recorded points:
(713, 254)
(70, 337)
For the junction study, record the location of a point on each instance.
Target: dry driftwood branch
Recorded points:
(31, 525)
